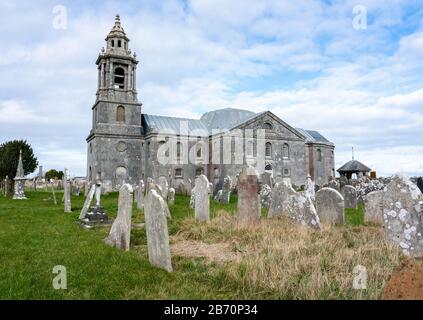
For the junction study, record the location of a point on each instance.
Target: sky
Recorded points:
(352, 70)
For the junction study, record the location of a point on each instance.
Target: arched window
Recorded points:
(319, 155)
(119, 78)
(120, 114)
(250, 148)
(268, 149)
(119, 43)
(267, 126)
(113, 43)
(285, 151)
(268, 167)
(178, 149)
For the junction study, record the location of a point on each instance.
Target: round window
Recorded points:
(121, 146)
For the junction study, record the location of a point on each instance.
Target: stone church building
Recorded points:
(126, 145)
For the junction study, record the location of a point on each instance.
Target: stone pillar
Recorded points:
(66, 191)
(248, 208)
(201, 194)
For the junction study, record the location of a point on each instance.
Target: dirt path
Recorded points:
(406, 283)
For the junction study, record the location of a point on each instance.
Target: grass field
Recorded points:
(278, 260)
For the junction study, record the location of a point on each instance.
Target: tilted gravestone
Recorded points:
(157, 231)
(330, 206)
(201, 194)
(171, 196)
(87, 202)
(297, 206)
(120, 232)
(402, 215)
(248, 207)
(373, 207)
(350, 197)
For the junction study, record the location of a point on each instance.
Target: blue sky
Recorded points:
(303, 60)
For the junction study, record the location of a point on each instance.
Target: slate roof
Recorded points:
(214, 122)
(353, 166)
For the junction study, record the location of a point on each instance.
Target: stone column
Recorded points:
(66, 191)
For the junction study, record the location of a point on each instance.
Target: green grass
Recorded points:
(355, 217)
(36, 235)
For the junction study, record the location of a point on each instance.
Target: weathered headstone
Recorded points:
(164, 186)
(402, 215)
(87, 202)
(157, 231)
(120, 232)
(226, 190)
(66, 192)
(267, 178)
(19, 193)
(334, 184)
(171, 196)
(373, 207)
(201, 194)
(140, 195)
(218, 196)
(265, 196)
(330, 206)
(297, 206)
(309, 188)
(248, 207)
(350, 197)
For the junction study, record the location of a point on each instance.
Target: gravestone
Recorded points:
(140, 195)
(334, 184)
(201, 194)
(164, 186)
(297, 206)
(420, 183)
(226, 190)
(19, 193)
(87, 202)
(97, 214)
(66, 192)
(350, 197)
(343, 181)
(330, 206)
(120, 232)
(402, 215)
(248, 207)
(267, 178)
(265, 196)
(157, 231)
(310, 188)
(171, 196)
(218, 196)
(373, 207)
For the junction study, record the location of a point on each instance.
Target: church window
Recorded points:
(268, 149)
(250, 148)
(319, 155)
(216, 172)
(119, 43)
(286, 172)
(267, 126)
(178, 149)
(113, 43)
(285, 151)
(178, 173)
(120, 114)
(119, 78)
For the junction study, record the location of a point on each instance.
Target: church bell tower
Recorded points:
(114, 143)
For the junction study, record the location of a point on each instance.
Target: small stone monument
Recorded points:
(248, 207)
(373, 207)
(201, 194)
(265, 196)
(350, 197)
(66, 192)
(310, 188)
(120, 232)
(171, 196)
(164, 186)
(330, 206)
(19, 193)
(157, 231)
(226, 190)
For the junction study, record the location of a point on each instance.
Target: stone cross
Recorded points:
(373, 207)
(157, 231)
(402, 216)
(120, 232)
(330, 206)
(350, 197)
(201, 194)
(66, 192)
(87, 202)
(248, 207)
(171, 196)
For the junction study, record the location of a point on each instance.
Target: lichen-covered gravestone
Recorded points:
(373, 207)
(202, 198)
(248, 207)
(402, 215)
(330, 206)
(265, 196)
(171, 196)
(164, 186)
(120, 232)
(157, 231)
(350, 197)
(297, 206)
(226, 190)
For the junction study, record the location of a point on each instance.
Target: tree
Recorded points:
(54, 174)
(9, 157)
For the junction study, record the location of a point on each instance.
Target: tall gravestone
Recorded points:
(140, 195)
(226, 190)
(201, 195)
(330, 206)
(248, 207)
(120, 232)
(373, 207)
(19, 193)
(310, 188)
(350, 197)
(171, 196)
(157, 232)
(402, 215)
(66, 192)
(164, 186)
